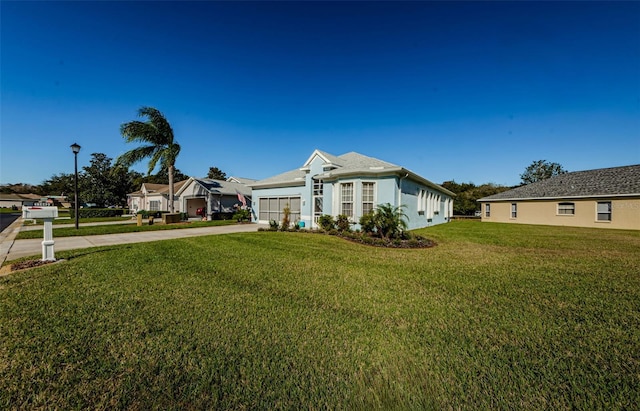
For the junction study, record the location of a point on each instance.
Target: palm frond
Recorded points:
(164, 132)
(158, 156)
(137, 131)
(133, 156)
(172, 153)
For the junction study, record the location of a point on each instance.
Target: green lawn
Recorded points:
(496, 316)
(119, 228)
(9, 211)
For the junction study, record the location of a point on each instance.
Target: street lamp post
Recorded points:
(76, 149)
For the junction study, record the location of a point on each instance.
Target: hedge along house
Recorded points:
(351, 184)
(153, 197)
(603, 198)
(219, 198)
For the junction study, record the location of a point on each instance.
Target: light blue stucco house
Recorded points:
(351, 184)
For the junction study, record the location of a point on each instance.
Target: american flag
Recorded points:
(241, 198)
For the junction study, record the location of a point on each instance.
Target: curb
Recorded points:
(7, 237)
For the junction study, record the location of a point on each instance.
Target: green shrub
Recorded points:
(367, 222)
(242, 215)
(97, 212)
(286, 213)
(326, 222)
(343, 223)
(273, 225)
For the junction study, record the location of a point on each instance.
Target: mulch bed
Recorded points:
(22, 265)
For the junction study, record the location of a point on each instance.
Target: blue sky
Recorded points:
(471, 92)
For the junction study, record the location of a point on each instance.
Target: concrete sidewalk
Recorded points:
(72, 224)
(12, 249)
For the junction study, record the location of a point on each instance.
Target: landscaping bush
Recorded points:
(242, 215)
(97, 212)
(367, 222)
(286, 211)
(326, 222)
(343, 223)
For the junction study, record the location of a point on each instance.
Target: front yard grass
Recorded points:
(496, 316)
(120, 228)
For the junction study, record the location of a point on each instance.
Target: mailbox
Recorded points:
(48, 214)
(39, 212)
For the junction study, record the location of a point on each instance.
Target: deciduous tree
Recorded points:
(541, 170)
(216, 174)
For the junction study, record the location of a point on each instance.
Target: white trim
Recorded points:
(316, 152)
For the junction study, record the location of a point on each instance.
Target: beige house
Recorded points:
(18, 200)
(154, 197)
(602, 198)
(218, 198)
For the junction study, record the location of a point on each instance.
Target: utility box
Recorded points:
(39, 212)
(171, 218)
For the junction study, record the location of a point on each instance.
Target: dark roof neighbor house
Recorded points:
(604, 198)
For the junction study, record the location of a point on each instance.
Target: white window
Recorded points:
(154, 205)
(422, 201)
(368, 190)
(514, 210)
(318, 199)
(604, 211)
(487, 210)
(346, 199)
(566, 208)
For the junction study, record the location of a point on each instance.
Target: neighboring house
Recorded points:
(351, 184)
(18, 200)
(603, 198)
(219, 198)
(154, 197)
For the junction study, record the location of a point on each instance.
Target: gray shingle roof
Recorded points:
(288, 177)
(615, 181)
(223, 187)
(353, 161)
(347, 163)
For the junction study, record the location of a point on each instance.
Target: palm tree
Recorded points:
(159, 145)
(389, 220)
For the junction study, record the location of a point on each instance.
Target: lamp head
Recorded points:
(75, 147)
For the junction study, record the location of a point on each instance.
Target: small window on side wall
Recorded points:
(514, 210)
(566, 208)
(604, 211)
(487, 210)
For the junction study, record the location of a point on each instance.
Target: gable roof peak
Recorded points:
(326, 158)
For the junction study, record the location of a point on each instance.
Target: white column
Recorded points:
(47, 244)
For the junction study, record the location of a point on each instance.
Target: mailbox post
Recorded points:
(47, 213)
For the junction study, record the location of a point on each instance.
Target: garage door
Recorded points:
(271, 208)
(193, 204)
